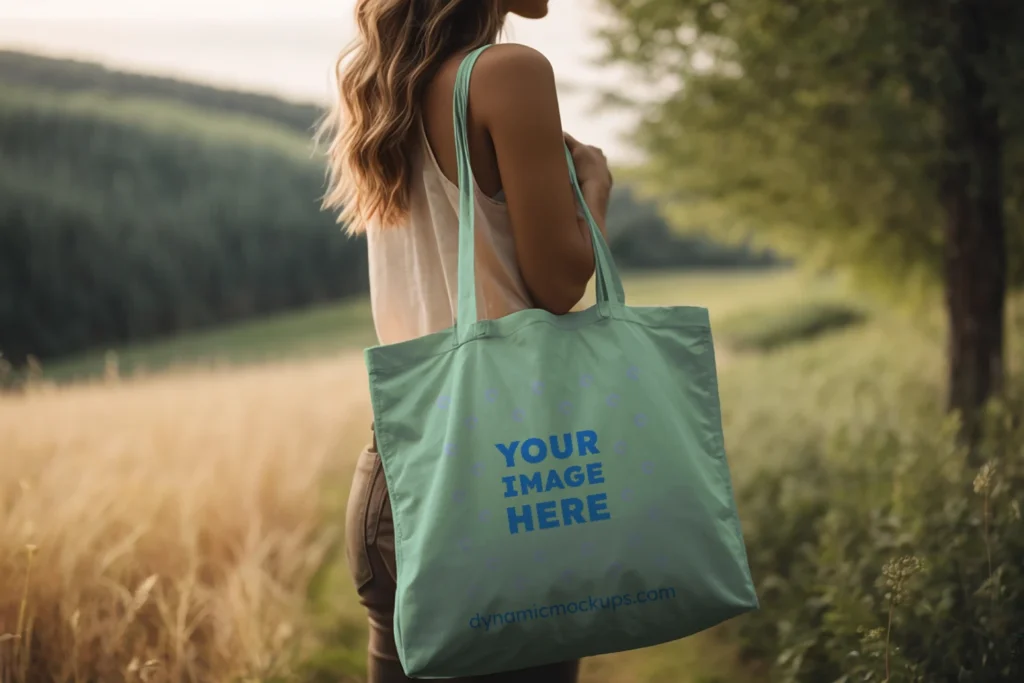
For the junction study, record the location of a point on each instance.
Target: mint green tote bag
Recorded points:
(559, 483)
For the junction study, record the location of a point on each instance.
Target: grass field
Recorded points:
(330, 329)
(317, 331)
(191, 519)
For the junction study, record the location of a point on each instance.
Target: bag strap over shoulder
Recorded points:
(609, 284)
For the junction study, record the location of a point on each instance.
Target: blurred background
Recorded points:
(182, 396)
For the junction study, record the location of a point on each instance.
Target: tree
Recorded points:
(883, 136)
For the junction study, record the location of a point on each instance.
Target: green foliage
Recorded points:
(818, 126)
(767, 329)
(124, 219)
(825, 528)
(845, 463)
(640, 239)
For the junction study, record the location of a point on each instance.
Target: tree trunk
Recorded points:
(976, 260)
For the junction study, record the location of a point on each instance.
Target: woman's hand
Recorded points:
(591, 164)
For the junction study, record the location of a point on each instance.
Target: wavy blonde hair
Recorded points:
(381, 78)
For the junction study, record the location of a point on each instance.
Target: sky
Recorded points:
(287, 47)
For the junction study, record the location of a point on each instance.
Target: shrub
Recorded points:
(891, 554)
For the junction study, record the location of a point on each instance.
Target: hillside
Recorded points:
(65, 75)
(124, 218)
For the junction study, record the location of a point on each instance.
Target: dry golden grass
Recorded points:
(177, 521)
(172, 523)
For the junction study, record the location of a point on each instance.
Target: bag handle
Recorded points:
(609, 284)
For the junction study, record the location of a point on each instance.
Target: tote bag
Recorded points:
(558, 483)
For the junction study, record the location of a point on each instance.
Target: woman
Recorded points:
(393, 176)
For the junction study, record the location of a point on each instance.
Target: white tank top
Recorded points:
(414, 267)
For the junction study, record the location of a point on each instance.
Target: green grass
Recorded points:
(349, 326)
(315, 331)
(773, 327)
(723, 293)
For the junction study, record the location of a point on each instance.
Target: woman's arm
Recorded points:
(513, 94)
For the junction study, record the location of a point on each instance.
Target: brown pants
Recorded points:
(370, 544)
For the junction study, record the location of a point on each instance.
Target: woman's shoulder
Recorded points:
(503, 75)
(510, 55)
(511, 60)
(510, 77)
